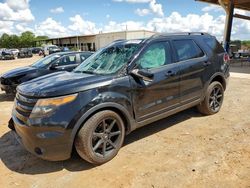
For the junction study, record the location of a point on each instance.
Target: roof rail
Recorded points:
(119, 40)
(181, 33)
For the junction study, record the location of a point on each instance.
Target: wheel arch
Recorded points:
(119, 109)
(219, 78)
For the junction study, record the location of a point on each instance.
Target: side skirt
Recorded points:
(168, 113)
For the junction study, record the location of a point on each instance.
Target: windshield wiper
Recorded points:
(87, 72)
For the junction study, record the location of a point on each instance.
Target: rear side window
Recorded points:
(214, 45)
(67, 60)
(187, 49)
(84, 56)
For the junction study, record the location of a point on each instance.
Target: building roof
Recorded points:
(240, 4)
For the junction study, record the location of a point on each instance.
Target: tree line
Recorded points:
(25, 40)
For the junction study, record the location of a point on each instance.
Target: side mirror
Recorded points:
(54, 66)
(143, 74)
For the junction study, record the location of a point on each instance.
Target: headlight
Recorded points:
(47, 106)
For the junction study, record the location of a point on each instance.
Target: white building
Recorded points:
(97, 41)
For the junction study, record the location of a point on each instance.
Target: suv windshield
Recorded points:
(45, 61)
(109, 60)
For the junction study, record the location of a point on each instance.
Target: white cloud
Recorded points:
(57, 10)
(81, 26)
(156, 8)
(6, 27)
(142, 12)
(18, 4)
(10, 12)
(190, 23)
(51, 28)
(22, 27)
(128, 25)
(214, 8)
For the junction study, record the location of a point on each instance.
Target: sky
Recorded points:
(57, 18)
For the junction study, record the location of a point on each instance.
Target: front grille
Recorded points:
(24, 106)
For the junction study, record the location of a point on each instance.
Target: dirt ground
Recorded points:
(184, 150)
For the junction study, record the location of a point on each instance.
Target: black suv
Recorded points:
(63, 61)
(122, 87)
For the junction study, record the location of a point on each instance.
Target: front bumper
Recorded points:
(44, 142)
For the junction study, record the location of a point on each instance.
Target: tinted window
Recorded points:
(46, 61)
(67, 60)
(156, 55)
(187, 49)
(84, 56)
(214, 45)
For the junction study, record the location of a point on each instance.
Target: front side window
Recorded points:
(108, 60)
(44, 62)
(187, 49)
(155, 56)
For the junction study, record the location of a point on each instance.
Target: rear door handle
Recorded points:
(170, 73)
(207, 63)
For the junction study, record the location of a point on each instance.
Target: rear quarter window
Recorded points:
(214, 45)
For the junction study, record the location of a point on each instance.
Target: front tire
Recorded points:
(101, 137)
(213, 99)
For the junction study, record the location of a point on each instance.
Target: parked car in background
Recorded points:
(64, 61)
(15, 52)
(122, 87)
(1, 53)
(241, 54)
(50, 49)
(25, 53)
(36, 50)
(7, 55)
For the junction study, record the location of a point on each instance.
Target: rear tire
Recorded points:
(101, 137)
(213, 99)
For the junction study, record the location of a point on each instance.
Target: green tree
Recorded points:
(246, 43)
(27, 39)
(14, 41)
(39, 40)
(4, 41)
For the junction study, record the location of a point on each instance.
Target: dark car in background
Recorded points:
(36, 50)
(25, 53)
(7, 55)
(122, 87)
(64, 61)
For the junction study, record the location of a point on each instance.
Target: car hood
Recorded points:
(62, 83)
(19, 72)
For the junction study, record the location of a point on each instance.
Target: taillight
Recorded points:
(226, 58)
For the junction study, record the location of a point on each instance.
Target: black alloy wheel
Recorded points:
(216, 98)
(101, 137)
